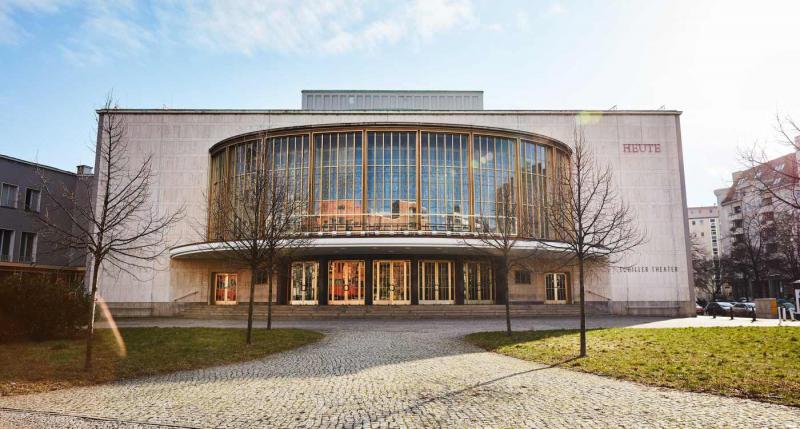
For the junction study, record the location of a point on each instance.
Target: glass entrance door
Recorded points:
(478, 283)
(555, 288)
(390, 285)
(436, 285)
(304, 283)
(225, 288)
(346, 282)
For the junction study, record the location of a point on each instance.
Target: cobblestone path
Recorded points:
(385, 374)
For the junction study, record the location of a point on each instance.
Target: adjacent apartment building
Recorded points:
(399, 185)
(23, 248)
(747, 223)
(704, 230)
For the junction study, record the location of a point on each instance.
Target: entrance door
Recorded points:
(346, 282)
(391, 282)
(225, 288)
(555, 288)
(304, 283)
(436, 285)
(478, 283)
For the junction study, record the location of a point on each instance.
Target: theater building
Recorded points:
(398, 185)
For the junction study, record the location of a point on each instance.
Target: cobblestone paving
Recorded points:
(373, 373)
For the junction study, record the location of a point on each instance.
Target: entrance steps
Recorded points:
(300, 312)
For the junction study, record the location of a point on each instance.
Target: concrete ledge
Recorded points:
(652, 308)
(202, 310)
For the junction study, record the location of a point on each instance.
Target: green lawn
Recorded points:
(30, 367)
(755, 363)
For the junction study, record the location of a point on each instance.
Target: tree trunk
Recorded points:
(87, 365)
(508, 303)
(583, 307)
(269, 300)
(253, 272)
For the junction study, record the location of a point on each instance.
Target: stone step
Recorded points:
(205, 311)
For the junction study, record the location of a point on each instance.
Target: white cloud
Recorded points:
(555, 9)
(117, 28)
(435, 16)
(299, 27)
(11, 32)
(109, 31)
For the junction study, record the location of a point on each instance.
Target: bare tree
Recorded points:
(704, 271)
(785, 252)
(773, 177)
(115, 223)
(498, 238)
(751, 237)
(590, 225)
(258, 219)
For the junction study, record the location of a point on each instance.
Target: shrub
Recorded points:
(39, 308)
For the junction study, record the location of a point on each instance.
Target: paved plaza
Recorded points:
(379, 373)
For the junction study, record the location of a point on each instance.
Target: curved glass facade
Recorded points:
(401, 178)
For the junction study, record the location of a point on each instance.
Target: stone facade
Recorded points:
(653, 280)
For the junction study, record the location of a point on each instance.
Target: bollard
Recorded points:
(731, 313)
(754, 314)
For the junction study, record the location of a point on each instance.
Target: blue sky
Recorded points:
(729, 66)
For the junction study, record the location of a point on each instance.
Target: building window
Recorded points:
(737, 209)
(522, 277)
(444, 181)
(338, 181)
(32, 200)
(478, 283)
(391, 180)
(6, 244)
(556, 288)
(261, 277)
(8, 195)
(27, 249)
(693, 222)
(494, 188)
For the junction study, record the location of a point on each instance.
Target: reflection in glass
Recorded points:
(289, 157)
(556, 287)
(478, 283)
(392, 180)
(346, 282)
(534, 161)
(304, 283)
(391, 282)
(338, 181)
(436, 282)
(493, 189)
(444, 181)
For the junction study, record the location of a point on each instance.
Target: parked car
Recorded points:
(719, 309)
(699, 310)
(744, 309)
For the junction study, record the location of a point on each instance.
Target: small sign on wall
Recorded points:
(641, 148)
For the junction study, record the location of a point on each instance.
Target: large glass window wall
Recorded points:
(400, 179)
(494, 188)
(338, 181)
(391, 180)
(444, 181)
